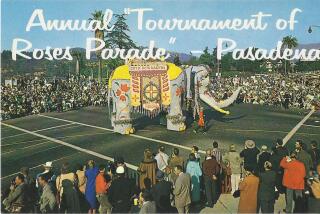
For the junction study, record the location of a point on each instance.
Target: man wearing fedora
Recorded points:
(249, 155)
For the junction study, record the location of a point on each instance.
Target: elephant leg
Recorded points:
(175, 118)
(121, 116)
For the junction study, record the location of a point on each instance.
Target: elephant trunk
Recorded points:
(210, 100)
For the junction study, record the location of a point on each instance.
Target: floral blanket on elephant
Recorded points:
(150, 87)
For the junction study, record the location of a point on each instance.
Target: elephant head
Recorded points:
(198, 79)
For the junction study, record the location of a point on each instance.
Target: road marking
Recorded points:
(7, 176)
(54, 127)
(39, 130)
(131, 135)
(69, 145)
(297, 127)
(2, 153)
(311, 126)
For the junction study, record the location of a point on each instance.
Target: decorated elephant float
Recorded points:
(151, 87)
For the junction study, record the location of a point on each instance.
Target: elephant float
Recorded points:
(154, 87)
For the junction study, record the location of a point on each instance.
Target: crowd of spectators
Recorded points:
(176, 184)
(33, 95)
(290, 91)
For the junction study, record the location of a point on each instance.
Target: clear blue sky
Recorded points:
(16, 13)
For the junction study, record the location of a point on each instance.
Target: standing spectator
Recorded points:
(90, 193)
(175, 160)
(304, 157)
(81, 178)
(66, 174)
(16, 200)
(147, 169)
(48, 170)
(195, 151)
(30, 189)
(315, 154)
(70, 198)
(47, 200)
(267, 186)
(249, 155)
(234, 160)
(162, 159)
(293, 179)
(148, 205)
(216, 151)
(121, 191)
(279, 152)
(314, 199)
(102, 187)
(248, 192)
(194, 170)
(161, 192)
(263, 157)
(211, 170)
(182, 190)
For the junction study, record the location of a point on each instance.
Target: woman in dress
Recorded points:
(90, 193)
(193, 168)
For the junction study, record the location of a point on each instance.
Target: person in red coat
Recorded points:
(293, 179)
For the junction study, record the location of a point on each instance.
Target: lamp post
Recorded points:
(312, 26)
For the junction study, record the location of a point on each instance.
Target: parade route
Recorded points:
(86, 134)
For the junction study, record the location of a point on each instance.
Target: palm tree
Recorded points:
(289, 42)
(99, 34)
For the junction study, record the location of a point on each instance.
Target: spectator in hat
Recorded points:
(161, 193)
(147, 169)
(267, 186)
(248, 192)
(234, 160)
(148, 205)
(121, 191)
(249, 155)
(263, 157)
(194, 170)
(293, 179)
(279, 152)
(48, 170)
(90, 193)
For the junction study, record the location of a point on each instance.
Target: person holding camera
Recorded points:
(15, 202)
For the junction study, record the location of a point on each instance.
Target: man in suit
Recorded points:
(17, 194)
(182, 190)
(47, 201)
(161, 192)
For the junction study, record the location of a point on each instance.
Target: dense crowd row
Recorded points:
(170, 184)
(30, 95)
(294, 90)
